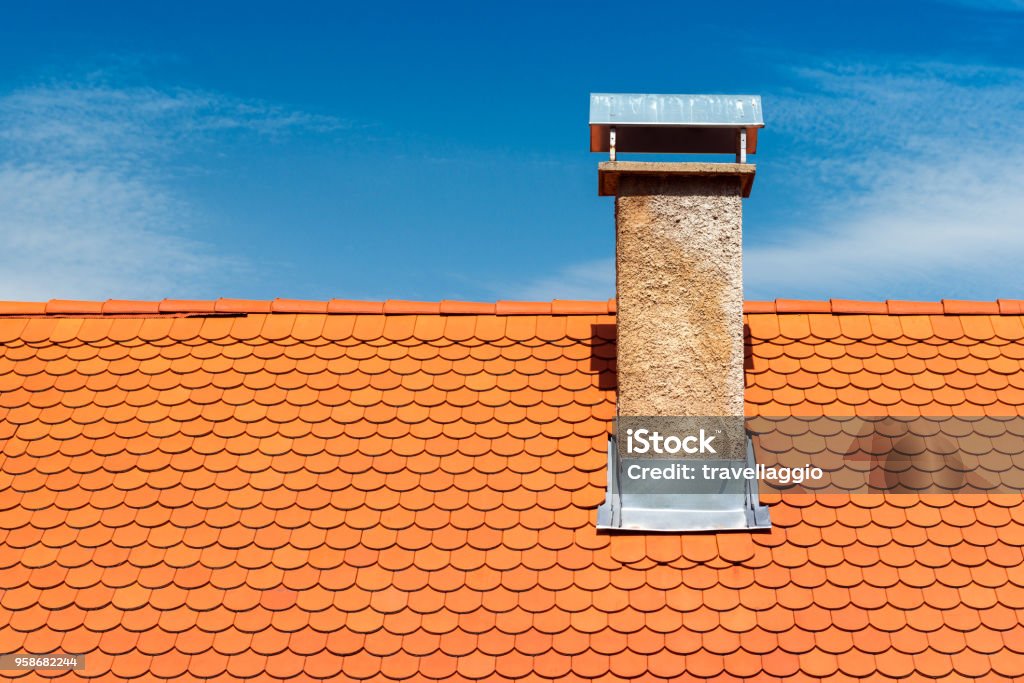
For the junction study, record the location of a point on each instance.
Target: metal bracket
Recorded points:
(741, 146)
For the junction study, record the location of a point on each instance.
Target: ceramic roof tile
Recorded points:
(455, 540)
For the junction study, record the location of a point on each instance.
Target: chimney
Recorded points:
(679, 290)
(678, 248)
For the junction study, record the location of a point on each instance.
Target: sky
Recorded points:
(429, 151)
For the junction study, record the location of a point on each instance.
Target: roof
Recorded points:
(381, 491)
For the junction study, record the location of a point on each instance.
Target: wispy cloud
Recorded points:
(581, 281)
(87, 206)
(918, 195)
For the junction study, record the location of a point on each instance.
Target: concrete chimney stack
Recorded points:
(678, 248)
(679, 286)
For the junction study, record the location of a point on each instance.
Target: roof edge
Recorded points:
(179, 307)
(223, 306)
(887, 307)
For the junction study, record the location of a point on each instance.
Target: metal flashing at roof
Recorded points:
(674, 124)
(732, 507)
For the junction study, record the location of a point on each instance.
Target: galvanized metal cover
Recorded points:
(697, 507)
(633, 109)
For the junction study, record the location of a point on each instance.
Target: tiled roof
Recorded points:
(198, 490)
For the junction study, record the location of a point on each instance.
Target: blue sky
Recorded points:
(439, 150)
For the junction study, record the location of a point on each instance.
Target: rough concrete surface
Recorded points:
(679, 281)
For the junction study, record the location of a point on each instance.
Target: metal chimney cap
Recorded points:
(632, 109)
(675, 124)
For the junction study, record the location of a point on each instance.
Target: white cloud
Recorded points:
(939, 233)
(69, 121)
(86, 206)
(95, 234)
(578, 281)
(919, 195)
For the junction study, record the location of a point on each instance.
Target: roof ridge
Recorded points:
(224, 306)
(888, 307)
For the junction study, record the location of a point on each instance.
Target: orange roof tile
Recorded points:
(402, 490)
